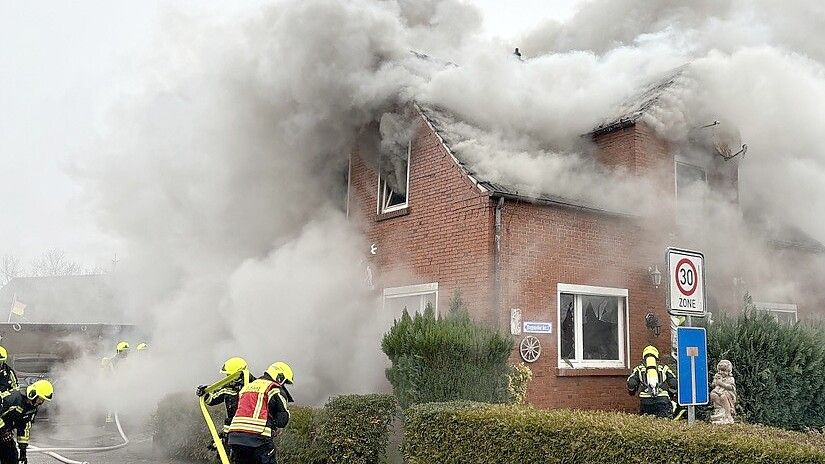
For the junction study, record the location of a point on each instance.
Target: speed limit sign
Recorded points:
(686, 274)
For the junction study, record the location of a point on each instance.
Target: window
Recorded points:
(592, 322)
(783, 312)
(691, 183)
(414, 298)
(393, 181)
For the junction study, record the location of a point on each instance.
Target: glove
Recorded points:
(201, 390)
(23, 459)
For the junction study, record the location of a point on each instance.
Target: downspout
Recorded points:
(497, 299)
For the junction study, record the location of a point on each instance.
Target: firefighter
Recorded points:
(121, 352)
(262, 411)
(8, 378)
(228, 395)
(654, 382)
(17, 411)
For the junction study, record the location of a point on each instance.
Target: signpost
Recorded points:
(686, 297)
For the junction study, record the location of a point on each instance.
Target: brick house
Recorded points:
(580, 266)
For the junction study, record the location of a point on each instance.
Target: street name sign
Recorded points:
(686, 282)
(692, 365)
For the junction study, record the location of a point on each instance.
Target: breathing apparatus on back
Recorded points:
(650, 358)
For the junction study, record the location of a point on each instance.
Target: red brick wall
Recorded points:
(446, 235)
(545, 246)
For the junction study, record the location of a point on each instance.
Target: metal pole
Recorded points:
(692, 409)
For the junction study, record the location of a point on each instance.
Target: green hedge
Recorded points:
(349, 429)
(779, 368)
(355, 428)
(452, 358)
(179, 429)
(443, 433)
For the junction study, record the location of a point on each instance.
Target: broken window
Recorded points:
(592, 323)
(413, 298)
(396, 132)
(394, 180)
(691, 183)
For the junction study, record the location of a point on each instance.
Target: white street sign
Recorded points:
(686, 282)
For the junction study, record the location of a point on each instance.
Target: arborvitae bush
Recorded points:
(449, 358)
(779, 368)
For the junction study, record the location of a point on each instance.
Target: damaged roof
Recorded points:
(454, 132)
(639, 104)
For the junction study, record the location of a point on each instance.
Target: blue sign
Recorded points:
(692, 365)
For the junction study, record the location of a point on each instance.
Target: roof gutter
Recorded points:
(560, 203)
(620, 124)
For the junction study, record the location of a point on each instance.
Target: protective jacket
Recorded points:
(228, 395)
(8, 379)
(261, 409)
(16, 414)
(640, 381)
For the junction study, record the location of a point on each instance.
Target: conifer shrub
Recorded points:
(449, 358)
(779, 368)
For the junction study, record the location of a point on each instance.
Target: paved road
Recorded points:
(139, 450)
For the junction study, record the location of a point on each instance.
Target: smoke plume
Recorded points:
(225, 173)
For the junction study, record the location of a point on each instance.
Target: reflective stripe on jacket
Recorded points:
(252, 415)
(638, 381)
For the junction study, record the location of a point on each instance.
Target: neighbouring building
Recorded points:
(581, 266)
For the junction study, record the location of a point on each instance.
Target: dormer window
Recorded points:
(393, 182)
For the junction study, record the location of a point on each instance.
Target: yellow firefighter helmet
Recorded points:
(281, 373)
(122, 346)
(41, 389)
(233, 365)
(650, 350)
(4, 355)
(142, 347)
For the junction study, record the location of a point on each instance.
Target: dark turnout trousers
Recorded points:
(659, 406)
(263, 454)
(8, 452)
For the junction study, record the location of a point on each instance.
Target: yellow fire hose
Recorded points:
(210, 423)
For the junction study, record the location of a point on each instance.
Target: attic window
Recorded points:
(393, 182)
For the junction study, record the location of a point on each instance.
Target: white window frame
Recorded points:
(787, 308)
(685, 162)
(382, 189)
(624, 334)
(412, 290)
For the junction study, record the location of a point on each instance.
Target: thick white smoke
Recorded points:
(225, 173)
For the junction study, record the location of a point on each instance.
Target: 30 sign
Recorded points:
(686, 272)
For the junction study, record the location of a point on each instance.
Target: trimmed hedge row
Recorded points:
(463, 432)
(348, 429)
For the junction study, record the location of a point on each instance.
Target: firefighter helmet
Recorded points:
(122, 346)
(233, 365)
(41, 389)
(142, 346)
(4, 355)
(281, 373)
(650, 350)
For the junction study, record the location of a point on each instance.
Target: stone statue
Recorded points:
(723, 394)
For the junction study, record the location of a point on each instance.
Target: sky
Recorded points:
(64, 64)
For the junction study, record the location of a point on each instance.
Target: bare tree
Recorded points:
(54, 262)
(9, 268)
